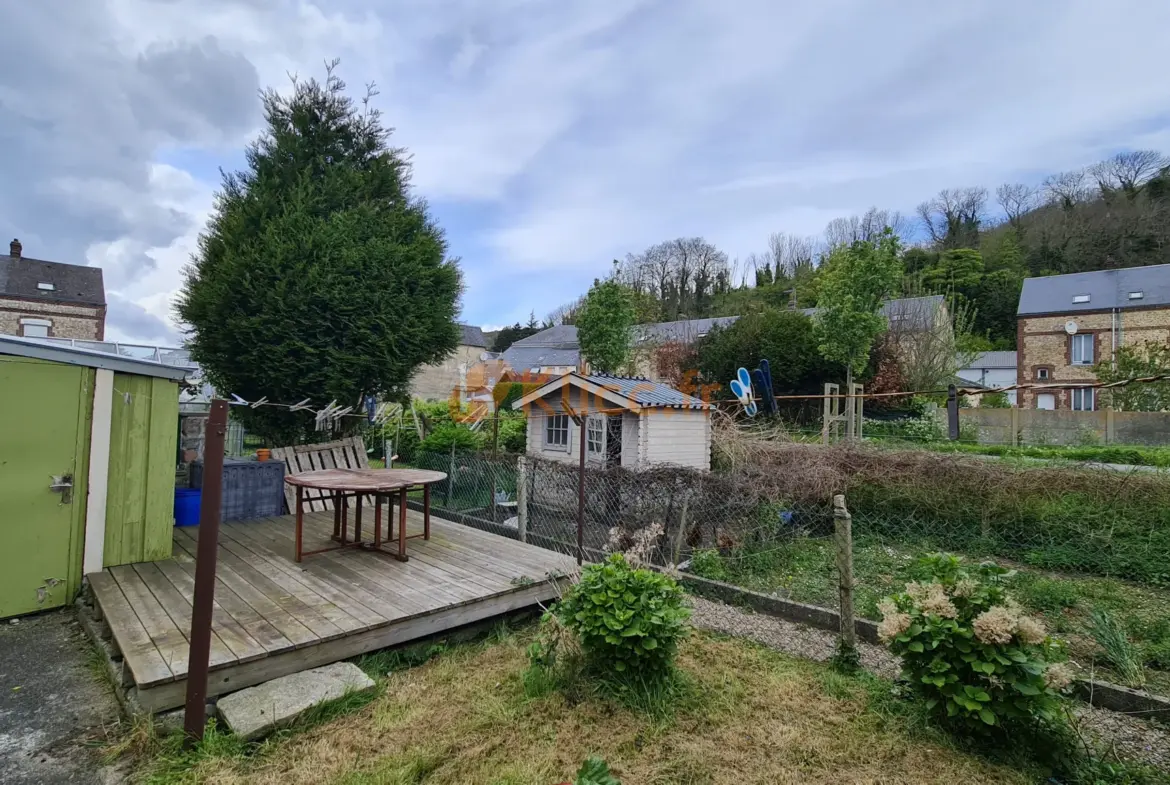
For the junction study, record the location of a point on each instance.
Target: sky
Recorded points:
(551, 136)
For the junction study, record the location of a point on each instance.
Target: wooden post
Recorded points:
(522, 499)
(952, 413)
(581, 497)
(681, 535)
(830, 420)
(199, 652)
(857, 409)
(843, 528)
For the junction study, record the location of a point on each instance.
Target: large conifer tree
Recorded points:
(319, 275)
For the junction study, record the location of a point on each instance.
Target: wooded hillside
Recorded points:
(970, 244)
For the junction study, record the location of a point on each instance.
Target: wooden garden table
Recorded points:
(344, 484)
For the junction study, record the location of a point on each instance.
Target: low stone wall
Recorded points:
(1066, 427)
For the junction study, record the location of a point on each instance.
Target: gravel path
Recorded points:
(1130, 737)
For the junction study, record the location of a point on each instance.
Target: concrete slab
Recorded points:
(51, 701)
(258, 711)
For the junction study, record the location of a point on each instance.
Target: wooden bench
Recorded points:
(348, 453)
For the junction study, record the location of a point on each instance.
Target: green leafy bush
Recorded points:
(595, 771)
(513, 433)
(628, 620)
(449, 435)
(967, 647)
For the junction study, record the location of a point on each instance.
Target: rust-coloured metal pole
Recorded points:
(199, 652)
(581, 497)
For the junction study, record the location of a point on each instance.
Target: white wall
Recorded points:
(677, 436)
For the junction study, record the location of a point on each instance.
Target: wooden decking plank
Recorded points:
(146, 663)
(179, 609)
(253, 624)
(505, 545)
(293, 586)
(253, 536)
(169, 639)
(275, 593)
(486, 572)
(469, 574)
(472, 543)
(234, 636)
(397, 576)
(267, 608)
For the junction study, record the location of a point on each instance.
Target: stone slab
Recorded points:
(260, 710)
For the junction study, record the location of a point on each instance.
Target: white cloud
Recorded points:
(565, 134)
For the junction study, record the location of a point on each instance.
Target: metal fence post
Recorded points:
(451, 476)
(522, 499)
(581, 498)
(843, 528)
(199, 652)
(1015, 440)
(952, 413)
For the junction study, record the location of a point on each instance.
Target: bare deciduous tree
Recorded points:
(1068, 189)
(1128, 172)
(864, 228)
(953, 217)
(684, 274)
(1016, 199)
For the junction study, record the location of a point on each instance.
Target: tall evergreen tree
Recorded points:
(319, 275)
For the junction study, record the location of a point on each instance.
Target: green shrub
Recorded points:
(513, 433)
(449, 435)
(628, 620)
(965, 645)
(994, 400)
(595, 771)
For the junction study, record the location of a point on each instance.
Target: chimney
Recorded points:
(14, 248)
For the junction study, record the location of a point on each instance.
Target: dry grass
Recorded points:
(756, 717)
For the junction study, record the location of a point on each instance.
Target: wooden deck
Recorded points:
(273, 617)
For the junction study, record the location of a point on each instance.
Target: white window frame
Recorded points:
(1042, 374)
(45, 286)
(1083, 340)
(556, 432)
(595, 435)
(42, 323)
(1082, 399)
(1079, 299)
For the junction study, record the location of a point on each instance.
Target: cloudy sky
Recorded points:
(551, 136)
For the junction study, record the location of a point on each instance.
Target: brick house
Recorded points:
(1068, 323)
(436, 382)
(40, 299)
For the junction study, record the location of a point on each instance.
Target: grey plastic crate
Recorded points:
(251, 489)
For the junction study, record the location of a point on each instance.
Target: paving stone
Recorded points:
(258, 711)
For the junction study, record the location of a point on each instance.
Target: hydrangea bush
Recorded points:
(969, 648)
(627, 619)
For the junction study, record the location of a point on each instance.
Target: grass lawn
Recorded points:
(1131, 455)
(751, 716)
(805, 570)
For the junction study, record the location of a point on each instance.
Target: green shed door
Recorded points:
(44, 433)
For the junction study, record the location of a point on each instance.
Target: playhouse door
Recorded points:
(44, 436)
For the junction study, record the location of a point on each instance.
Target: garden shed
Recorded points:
(87, 467)
(629, 421)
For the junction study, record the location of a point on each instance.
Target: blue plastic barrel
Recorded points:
(187, 506)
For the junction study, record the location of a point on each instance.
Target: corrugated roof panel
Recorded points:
(647, 393)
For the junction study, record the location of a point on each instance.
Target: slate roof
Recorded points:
(73, 283)
(472, 336)
(555, 346)
(647, 394)
(993, 360)
(918, 309)
(1106, 289)
(683, 330)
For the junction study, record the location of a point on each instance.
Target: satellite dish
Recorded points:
(1070, 327)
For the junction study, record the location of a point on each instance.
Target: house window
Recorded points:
(556, 431)
(1046, 401)
(45, 287)
(1136, 295)
(1082, 399)
(1042, 374)
(1082, 349)
(595, 435)
(35, 328)
(1080, 298)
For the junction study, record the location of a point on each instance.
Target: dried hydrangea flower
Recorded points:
(1030, 631)
(1058, 676)
(887, 607)
(892, 626)
(965, 588)
(936, 603)
(995, 625)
